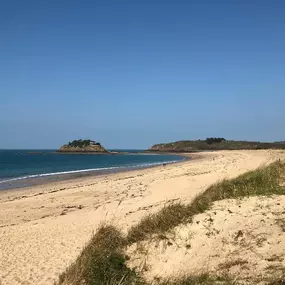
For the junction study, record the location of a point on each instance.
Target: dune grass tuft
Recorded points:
(102, 261)
(160, 222)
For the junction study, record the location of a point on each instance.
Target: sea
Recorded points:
(22, 168)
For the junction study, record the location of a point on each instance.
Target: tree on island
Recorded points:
(214, 140)
(82, 143)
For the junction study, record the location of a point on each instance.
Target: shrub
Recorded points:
(214, 140)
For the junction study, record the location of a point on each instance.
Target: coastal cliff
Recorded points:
(83, 146)
(214, 144)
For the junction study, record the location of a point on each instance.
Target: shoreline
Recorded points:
(43, 228)
(17, 183)
(15, 193)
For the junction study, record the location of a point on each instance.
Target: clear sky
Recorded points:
(133, 73)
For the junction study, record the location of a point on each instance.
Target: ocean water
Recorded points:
(19, 168)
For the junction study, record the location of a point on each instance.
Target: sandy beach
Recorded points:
(43, 228)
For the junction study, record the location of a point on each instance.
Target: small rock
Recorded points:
(239, 234)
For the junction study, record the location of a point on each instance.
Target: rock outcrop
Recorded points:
(83, 146)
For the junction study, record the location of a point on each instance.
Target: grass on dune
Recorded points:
(263, 181)
(102, 261)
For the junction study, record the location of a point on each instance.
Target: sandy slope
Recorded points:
(243, 238)
(42, 229)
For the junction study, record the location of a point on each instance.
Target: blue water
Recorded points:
(22, 164)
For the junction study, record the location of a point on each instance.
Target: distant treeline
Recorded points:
(213, 143)
(82, 143)
(214, 140)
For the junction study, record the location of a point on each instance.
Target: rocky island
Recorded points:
(83, 146)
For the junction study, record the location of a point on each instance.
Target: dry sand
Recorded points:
(243, 239)
(43, 228)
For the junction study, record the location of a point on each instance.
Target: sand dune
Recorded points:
(43, 228)
(243, 238)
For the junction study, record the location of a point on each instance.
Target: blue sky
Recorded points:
(133, 73)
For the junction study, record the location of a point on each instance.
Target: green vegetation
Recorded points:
(82, 143)
(103, 262)
(214, 140)
(159, 223)
(214, 144)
